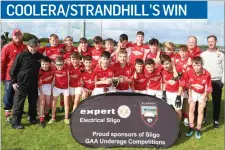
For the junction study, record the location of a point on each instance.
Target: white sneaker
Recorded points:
(186, 122)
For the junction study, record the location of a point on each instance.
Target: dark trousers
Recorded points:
(19, 99)
(8, 95)
(216, 98)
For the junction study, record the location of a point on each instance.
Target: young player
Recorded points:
(184, 62)
(103, 75)
(169, 50)
(45, 78)
(88, 78)
(69, 49)
(139, 79)
(97, 50)
(199, 81)
(154, 76)
(124, 44)
(83, 48)
(172, 88)
(154, 52)
(61, 87)
(109, 46)
(138, 49)
(75, 79)
(123, 71)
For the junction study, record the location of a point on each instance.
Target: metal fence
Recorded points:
(176, 32)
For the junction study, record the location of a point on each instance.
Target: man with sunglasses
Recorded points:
(24, 78)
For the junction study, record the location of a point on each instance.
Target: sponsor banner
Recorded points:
(124, 120)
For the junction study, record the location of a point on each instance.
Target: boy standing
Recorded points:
(103, 75)
(172, 88)
(199, 81)
(97, 50)
(123, 71)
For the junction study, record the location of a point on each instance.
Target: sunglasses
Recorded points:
(59, 64)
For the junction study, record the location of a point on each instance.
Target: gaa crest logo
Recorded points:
(149, 114)
(124, 111)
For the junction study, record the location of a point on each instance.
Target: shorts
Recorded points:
(140, 91)
(185, 94)
(58, 91)
(197, 97)
(46, 89)
(86, 90)
(73, 91)
(101, 90)
(129, 90)
(157, 93)
(171, 98)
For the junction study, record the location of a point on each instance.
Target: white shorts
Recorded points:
(46, 89)
(197, 97)
(129, 90)
(58, 91)
(171, 98)
(98, 91)
(157, 93)
(185, 94)
(140, 91)
(86, 90)
(73, 91)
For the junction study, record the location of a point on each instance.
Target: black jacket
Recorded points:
(25, 68)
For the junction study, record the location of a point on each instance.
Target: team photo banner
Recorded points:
(104, 10)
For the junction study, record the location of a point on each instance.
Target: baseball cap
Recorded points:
(33, 42)
(16, 32)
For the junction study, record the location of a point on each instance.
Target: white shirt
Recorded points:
(214, 63)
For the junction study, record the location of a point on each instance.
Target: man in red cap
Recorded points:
(8, 54)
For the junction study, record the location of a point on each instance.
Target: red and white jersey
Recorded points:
(46, 77)
(172, 85)
(137, 52)
(201, 83)
(126, 72)
(154, 79)
(113, 58)
(61, 78)
(151, 55)
(96, 54)
(172, 55)
(53, 52)
(183, 64)
(196, 52)
(101, 74)
(74, 76)
(87, 53)
(67, 54)
(140, 83)
(88, 79)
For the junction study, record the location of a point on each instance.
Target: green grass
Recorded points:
(58, 136)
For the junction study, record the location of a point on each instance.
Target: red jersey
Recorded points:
(196, 52)
(87, 53)
(137, 52)
(67, 54)
(113, 58)
(151, 55)
(199, 83)
(172, 85)
(183, 64)
(154, 79)
(74, 76)
(141, 82)
(119, 71)
(62, 78)
(100, 74)
(46, 77)
(53, 52)
(8, 55)
(88, 79)
(96, 54)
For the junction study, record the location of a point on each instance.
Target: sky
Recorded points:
(176, 32)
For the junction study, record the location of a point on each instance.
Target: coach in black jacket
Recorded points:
(24, 77)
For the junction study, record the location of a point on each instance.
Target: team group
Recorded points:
(75, 73)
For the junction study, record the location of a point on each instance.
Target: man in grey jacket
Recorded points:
(214, 63)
